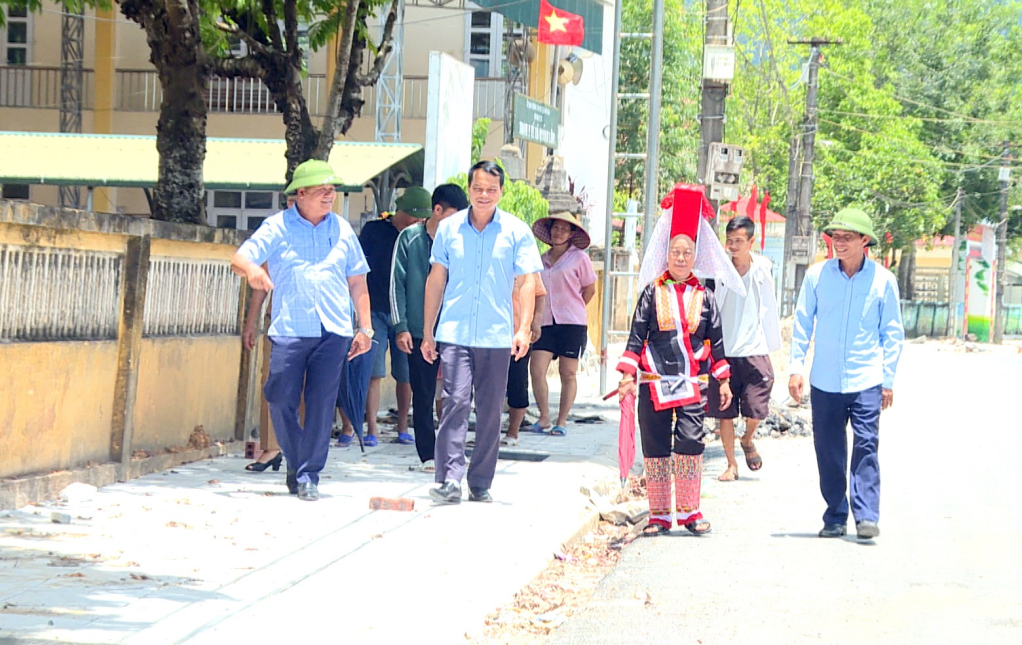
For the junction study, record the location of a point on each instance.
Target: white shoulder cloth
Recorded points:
(711, 259)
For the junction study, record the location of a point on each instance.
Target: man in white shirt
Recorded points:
(751, 331)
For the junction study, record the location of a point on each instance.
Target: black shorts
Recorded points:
(752, 379)
(568, 341)
(518, 383)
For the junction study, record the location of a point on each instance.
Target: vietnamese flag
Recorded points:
(558, 27)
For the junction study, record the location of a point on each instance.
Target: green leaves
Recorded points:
(917, 96)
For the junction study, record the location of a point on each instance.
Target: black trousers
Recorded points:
(677, 430)
(423, 381)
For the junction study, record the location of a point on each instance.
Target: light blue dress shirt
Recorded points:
(859, 335)
(481, 269)
(309, 266)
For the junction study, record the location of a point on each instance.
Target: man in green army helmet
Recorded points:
(317, 268)
(854, 306)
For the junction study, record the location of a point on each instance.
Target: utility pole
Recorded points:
(798, 235)
(788, 294)
(711, 110)
(656, 75)
(1002, 247)
(953, 284)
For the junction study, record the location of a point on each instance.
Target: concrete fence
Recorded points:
(119, 338)
(934, 320)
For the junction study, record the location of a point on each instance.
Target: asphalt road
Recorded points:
(946, 568)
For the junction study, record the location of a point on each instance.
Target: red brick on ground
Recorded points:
(391, 504)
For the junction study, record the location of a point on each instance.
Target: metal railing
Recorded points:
(139, 90)
(38, 87)
(58, 294)
(190, 297)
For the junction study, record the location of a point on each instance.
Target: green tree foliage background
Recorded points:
(913, 104)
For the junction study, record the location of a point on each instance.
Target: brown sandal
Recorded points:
(752, 458)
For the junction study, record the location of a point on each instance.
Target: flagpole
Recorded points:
(609, 224)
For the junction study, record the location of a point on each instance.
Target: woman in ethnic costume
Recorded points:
(675, 335)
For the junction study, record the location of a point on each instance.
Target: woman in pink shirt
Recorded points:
(570, 283)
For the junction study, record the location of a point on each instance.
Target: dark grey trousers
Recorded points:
(469, 371)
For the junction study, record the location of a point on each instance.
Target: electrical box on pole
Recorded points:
(719, 62)
(723, 169)
(718, 72)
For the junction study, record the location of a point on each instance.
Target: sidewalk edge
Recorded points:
(33, 489)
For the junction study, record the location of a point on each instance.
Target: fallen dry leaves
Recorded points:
(564, 587)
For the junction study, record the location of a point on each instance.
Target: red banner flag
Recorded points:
(762, 222)
(558, 27)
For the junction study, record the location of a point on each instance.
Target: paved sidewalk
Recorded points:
(209, 553)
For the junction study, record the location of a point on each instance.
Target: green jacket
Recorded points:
(408, 279)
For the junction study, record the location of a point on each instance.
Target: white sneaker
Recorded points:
(509, 441)
(428, 466)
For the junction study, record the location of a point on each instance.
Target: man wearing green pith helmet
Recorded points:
(317, 269)
(853, 304)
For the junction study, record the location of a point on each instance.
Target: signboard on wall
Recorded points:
(449, 112)
(536, 122)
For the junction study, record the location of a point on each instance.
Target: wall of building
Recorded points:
(585, 144)
(426, 29)
(429, 30)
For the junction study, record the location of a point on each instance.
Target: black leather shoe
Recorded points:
(867, 529)
(308, 492)
(292, 481)
(833, 530)
(476, 494)
(449, 493)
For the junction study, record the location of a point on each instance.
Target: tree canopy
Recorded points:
(913, 104)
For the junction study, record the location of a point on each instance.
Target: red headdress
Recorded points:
(687, 212)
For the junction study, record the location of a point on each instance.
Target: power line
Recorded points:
(908, 100)
(921, 118)
(920, 142)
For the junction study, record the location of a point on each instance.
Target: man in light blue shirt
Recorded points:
(317, 266)
(476, 255)
(856, 309)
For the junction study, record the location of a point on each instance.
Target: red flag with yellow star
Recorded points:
(558, 27)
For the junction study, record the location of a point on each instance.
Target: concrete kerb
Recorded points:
(33, 489)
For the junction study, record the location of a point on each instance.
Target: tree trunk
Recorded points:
(907, 272)
(172, 31)
(299, 132)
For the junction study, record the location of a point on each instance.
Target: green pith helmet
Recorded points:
(312, 173)
(415, 201)
(855, 220)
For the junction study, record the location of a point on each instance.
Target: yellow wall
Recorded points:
(194, 250)
(55, 405)
(540, 78)
(427, 30)
(183, 383)
(105, 92)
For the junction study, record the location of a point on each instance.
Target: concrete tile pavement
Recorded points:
(207, 552)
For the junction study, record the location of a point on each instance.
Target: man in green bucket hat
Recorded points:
(318, 269)
(378, 239)
(854, 306)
